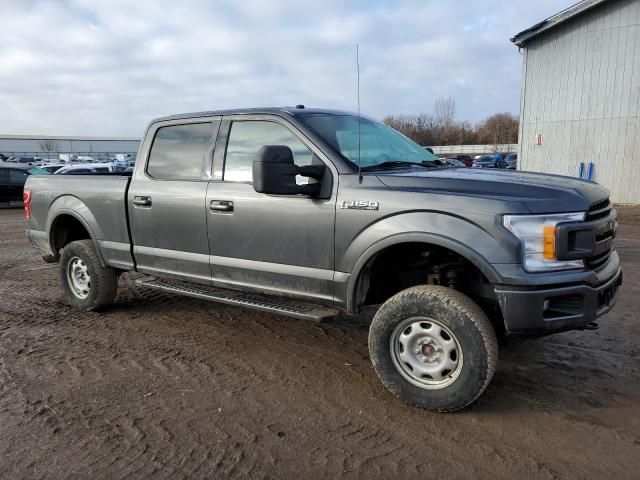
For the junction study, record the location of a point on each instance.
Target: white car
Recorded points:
(53, 167)
(86, 169)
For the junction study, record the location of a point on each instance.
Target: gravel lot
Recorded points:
(161, 386)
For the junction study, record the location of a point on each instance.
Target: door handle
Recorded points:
(225, 206)
(142, 201)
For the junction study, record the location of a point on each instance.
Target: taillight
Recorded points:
(26, 200)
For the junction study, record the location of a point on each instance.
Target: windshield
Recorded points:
(378, 143)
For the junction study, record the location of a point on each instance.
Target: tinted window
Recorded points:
(17, 177)
(102, 170)
(246, 138)
(178, 151)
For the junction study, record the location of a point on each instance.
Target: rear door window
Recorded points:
(178, 151)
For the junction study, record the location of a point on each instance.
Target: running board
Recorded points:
(264, 303)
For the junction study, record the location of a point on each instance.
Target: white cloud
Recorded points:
(107, 68)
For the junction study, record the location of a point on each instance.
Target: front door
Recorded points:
(272, 243)
(167, 200)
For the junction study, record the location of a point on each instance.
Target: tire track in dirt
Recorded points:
(162, 386)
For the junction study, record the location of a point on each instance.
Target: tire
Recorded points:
(423, 366)
(94, 286)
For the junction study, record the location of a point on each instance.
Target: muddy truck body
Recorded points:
(311, 213)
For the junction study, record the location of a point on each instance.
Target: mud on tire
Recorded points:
(437, 327)
(87, 284)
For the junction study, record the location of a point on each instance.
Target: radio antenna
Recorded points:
(358, 94)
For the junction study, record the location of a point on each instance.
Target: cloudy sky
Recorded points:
(88, 67)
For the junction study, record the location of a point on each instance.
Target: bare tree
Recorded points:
(498, 130)
(444, 110)
(48, 145)
(440, 128)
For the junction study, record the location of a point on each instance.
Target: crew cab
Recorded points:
(310, 212)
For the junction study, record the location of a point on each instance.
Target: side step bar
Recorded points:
(265, 303)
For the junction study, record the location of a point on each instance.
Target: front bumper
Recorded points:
(556, 309)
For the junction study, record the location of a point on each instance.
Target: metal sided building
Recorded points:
(30, 145)
(580, 95)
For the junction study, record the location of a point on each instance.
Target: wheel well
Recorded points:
(405, 265)
(67, 229)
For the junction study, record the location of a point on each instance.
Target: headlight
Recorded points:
(538, 236)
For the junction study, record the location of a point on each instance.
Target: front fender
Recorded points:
(472, 241)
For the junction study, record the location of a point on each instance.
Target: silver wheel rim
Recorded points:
(426, 353)
(78, 277)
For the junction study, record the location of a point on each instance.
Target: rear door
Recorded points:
(166, 199)
(282, 244)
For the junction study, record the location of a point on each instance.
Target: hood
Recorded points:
(539, 192)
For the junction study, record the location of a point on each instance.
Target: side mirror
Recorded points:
(275, 173)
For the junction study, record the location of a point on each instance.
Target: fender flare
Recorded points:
(417, 237)
(56, 211)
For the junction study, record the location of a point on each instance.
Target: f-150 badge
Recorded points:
(360, 205)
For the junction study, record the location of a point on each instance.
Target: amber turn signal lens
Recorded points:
(549, 237)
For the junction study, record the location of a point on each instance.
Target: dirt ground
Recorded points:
(161, 386)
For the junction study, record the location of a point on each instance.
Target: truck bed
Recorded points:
(99, 200)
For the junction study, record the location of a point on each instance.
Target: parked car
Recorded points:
(86, 169)
(511, 161)
(454, 162)
(53, 167)
(13, 178)
(465, 159)
(489, 161)
(23, 160)
(455, 257)
(122, 165)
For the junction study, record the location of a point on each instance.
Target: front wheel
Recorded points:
(87, 284)
(433, 347)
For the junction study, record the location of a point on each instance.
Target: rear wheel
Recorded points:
(433, 347)
(87, 284)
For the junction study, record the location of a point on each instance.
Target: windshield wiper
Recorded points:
(399, 163)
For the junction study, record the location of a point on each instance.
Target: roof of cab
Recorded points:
(281, 111)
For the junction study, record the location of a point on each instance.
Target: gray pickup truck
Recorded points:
(309, 213)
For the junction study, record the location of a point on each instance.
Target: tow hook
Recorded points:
(591, 326)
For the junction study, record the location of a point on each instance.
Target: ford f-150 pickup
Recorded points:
(308, 213)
